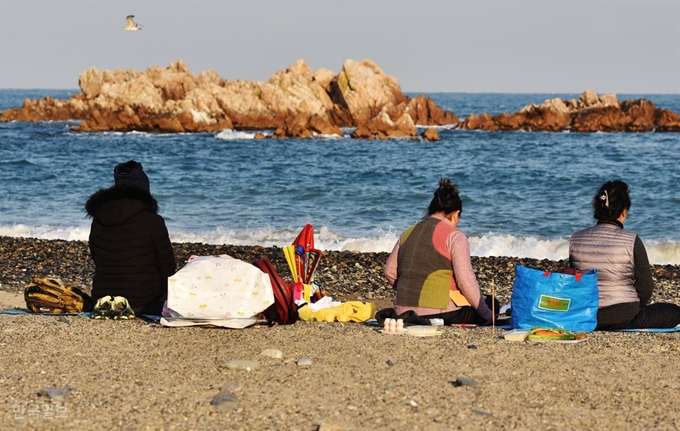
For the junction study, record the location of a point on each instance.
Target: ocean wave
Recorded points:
(229, 134)
(17, 163)
(484, 245)
(46, 232)
(494, 244)
(326, 136)
(421, 127)
(663, 252)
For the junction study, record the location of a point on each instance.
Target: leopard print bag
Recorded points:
(51, 295)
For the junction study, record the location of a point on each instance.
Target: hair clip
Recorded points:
(604, 197)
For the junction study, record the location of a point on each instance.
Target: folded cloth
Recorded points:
(17, 311)
(361, 311)
(352, 311)
(673, 329)
(233, 323)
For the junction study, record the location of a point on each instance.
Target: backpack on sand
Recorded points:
(284, 310)
(50, 295)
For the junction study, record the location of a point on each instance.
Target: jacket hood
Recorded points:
(117, 204)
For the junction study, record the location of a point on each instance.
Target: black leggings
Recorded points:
(465, 314)
(659, 315)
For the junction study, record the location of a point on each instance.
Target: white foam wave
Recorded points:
(484, 245)
(421, 127)
(663, 252)
(324, 239)
(46, 232)
(383, 241)
(493, 244)
(325, 136)
(229, 134)
(266, 237)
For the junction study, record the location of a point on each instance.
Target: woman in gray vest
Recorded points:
(430, 268)
(624, 276)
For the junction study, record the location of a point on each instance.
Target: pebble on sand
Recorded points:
(230, 387)
(55, 394)
(225, 401)
(304, 362)
(242, 364)
(272, 353)
(464, 381)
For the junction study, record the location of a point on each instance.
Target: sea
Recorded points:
(524, 193)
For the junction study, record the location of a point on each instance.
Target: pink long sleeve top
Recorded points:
(459, 248)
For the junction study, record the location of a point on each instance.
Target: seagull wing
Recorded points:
(131, 24)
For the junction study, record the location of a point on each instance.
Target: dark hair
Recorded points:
(445, 198)
(610, 200)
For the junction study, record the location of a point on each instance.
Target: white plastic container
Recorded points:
(516, 335)
(437, 322)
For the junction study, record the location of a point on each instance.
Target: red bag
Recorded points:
(284, 310)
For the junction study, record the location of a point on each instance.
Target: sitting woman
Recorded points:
(431, 269)
(624, 276)
(129, 242)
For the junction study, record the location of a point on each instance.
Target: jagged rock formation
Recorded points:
(589, 113)
(300, 103)
(295, 102)
(430, 134)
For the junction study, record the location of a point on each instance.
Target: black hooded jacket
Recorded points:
(130, 247)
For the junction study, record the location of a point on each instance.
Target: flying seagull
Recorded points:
(131, 24)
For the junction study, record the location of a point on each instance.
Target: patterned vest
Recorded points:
(424, 274)
(609, 249)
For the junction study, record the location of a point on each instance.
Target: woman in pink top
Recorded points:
(431, 270)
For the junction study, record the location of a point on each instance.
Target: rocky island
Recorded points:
(295, 102)
(300, 103)
(590, 113)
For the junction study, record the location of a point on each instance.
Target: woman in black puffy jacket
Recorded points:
(129, 242)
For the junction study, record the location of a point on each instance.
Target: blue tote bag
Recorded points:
(554, 300)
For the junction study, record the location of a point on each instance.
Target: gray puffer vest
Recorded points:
(608, 249)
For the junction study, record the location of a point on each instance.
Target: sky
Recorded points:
(497, 46)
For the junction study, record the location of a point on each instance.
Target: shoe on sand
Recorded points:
(121, 310)
(385, 313)
(102, 309)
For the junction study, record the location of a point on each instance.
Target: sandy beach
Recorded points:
(72, 372)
